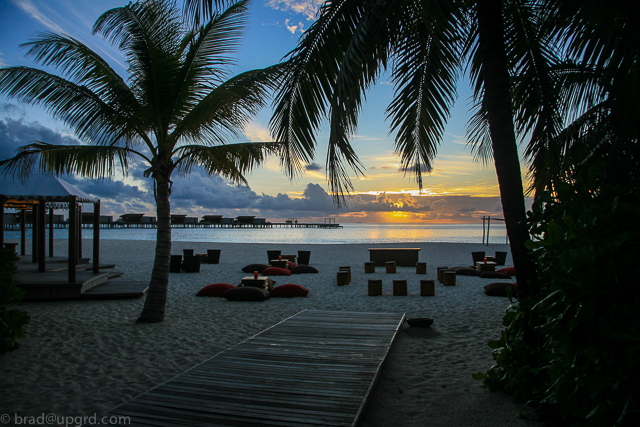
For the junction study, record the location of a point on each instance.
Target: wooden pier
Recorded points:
(316, 368)
(118, 225)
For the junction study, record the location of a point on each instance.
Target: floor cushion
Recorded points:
(467, 271)
(292, 265)
(304, 269)
(255, 267)
(499, 289)
(276, 271)
(509, 271)
(245, 293)
(494, 275)
(214, 290)
(289, 290)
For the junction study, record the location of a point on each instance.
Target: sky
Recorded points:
(458, 190)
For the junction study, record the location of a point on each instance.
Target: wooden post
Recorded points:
(483, 229)
(51, 232)
(73, 238)
(488, 226)
(23, 232)
(390, 266)
(375, 287)
(427, 288)
(42, 235)
(79, 219)
(343, 277)
(2, 200)
(34, 233)
(96, 237)
(400, 287)
(346, 268)
(440, 270)
(449, 278)
(369, 267)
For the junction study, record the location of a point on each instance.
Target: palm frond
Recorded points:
(310, 77)
(364, 57)
(202, 10)
(231, 161)
(89, 115)
(150, 34)
(90, 161)
(428, 52)
(535, 92)
(82, 65)
(477, 132)
(206, 61)
(228, 108)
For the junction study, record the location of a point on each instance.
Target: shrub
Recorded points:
(11, 320)
(585, 321)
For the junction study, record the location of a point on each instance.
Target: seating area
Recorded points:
(404, 257)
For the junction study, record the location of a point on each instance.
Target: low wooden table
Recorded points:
(404, 257)
(291, 258)
(486, 266)
(277, 263)
(261, 282)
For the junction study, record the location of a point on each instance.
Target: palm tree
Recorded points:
(174, 112)
(423, 43)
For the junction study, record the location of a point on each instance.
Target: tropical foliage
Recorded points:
(175, 111)
(586, 365)
(12, 320)
(583, 366)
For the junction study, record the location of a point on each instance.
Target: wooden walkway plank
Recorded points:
(316, 368)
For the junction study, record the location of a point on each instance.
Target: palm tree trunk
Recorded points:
(505, 149)
(154, 305)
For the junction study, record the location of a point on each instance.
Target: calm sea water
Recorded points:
(350, 233)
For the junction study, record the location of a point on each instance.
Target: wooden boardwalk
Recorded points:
(316, 368)
(116, 289)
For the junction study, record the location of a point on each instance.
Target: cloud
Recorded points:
(308, 8)
(313, 167)
(256, 132)
(293, 28)
(42, 17)
(16, 133)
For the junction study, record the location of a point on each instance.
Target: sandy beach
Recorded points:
(86, 357)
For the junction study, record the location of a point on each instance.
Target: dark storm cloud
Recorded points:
(16, 133)
(313, 167)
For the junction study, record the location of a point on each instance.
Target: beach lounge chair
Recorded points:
(477, 257)
(273, 255)
(176, 264)
(303, 257)
(500, 258)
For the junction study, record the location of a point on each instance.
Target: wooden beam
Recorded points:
(41, 237)
(23, 232)
(34, 233)
(96, 237)
(73, 238)
(51, 232)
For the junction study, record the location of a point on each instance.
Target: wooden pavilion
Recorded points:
(42, 194)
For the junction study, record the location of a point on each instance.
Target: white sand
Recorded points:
(87, 357)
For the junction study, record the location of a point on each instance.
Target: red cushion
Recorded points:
(510, 271)
(276, 271)
(289, 290)
(214, 290)
(292, 265)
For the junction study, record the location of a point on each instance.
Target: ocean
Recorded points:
(350, 233)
